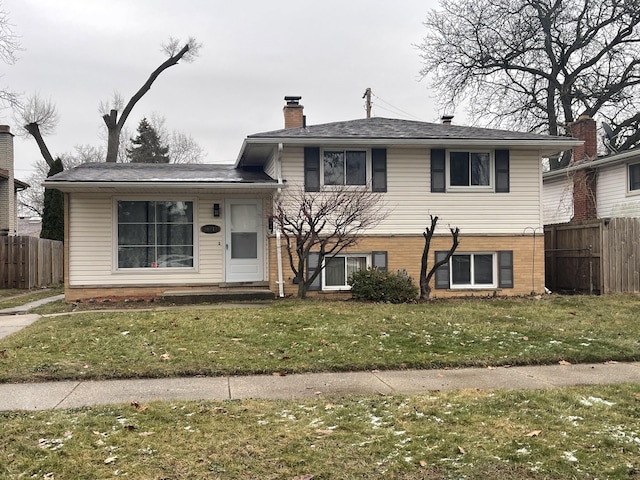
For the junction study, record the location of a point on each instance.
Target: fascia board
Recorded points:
(68, 186)
(551, 145)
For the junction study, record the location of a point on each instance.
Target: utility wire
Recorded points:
(395, 109)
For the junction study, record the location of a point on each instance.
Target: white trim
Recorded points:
(472, 286)
(470, 188)
(345, 287)
(635, 192)
(547, 147)
(152, 271)
(70, 186)
(260, 247)
(367, 163)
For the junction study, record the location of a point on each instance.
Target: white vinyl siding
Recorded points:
(92, 241)
(410, 200)
(614, 198)
(557, 200)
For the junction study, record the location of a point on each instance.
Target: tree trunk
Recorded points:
(34, 130)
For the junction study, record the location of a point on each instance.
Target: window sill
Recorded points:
(153, 271)
(474, 289)
(474, 189)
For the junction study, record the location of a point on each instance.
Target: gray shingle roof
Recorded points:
(144, 172)
(388, 128)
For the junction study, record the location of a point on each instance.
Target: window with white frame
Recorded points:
(338, 269)
(470, 169)
(155, 234)
(634, 177)
(470, 270)
(345, 167)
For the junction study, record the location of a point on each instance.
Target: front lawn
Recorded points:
(572, 433)
(312, 336)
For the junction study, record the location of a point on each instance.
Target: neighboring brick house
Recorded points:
(592, 187)
(9, 185)
(146, 229)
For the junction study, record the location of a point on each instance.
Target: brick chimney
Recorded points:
(293, 113)
(446, 119)
(584, 129)
(8, 217)
(585, 205)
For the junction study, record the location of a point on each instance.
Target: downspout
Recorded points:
(278, 236)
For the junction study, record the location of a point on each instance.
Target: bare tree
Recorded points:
(9, 45)
(325, 223)
(425, 278)
(114, 122)
(182, 147)
(538, 64)
(39, 117)
(31, 200)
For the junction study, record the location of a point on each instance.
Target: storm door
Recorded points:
(243, 241)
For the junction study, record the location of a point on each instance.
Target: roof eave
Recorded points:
(69, 185)
(555, 144)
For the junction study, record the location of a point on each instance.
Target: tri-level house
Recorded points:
(135, 230)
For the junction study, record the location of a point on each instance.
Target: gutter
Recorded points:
(559, 145)
(70, 185)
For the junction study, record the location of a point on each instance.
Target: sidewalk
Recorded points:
(72, 394)
(44, 396)
(14, 319)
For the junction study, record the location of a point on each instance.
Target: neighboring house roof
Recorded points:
(18, 185)
(139, 174)
(387, 131)
(606, 161)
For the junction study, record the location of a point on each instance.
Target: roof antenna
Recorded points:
(608, 138)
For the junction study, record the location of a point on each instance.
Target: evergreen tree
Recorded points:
(147, 147)
(53, 212)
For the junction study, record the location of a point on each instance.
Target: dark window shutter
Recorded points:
(312, 169)
(442, 274)
(379, 169)
(502, 171)
(379, 260)
(312, 265)
(438, 170)
(505, 269)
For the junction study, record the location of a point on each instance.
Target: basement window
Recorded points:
(471, 270)
(338, 269)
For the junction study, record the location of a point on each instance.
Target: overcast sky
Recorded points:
(78, 52)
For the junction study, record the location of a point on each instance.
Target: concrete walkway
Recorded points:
(71, 394)
(44, 396)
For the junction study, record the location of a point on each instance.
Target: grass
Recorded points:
(573, 433)
(13, 297)
(291, 336)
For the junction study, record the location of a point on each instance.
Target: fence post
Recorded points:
(591, 270)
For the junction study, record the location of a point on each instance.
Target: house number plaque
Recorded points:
(210, 229)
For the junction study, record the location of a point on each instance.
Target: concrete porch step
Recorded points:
(187, 297)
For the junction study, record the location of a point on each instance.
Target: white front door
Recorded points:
(243, 241)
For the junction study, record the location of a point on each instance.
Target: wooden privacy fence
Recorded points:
(29, 262)
(598, 256)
